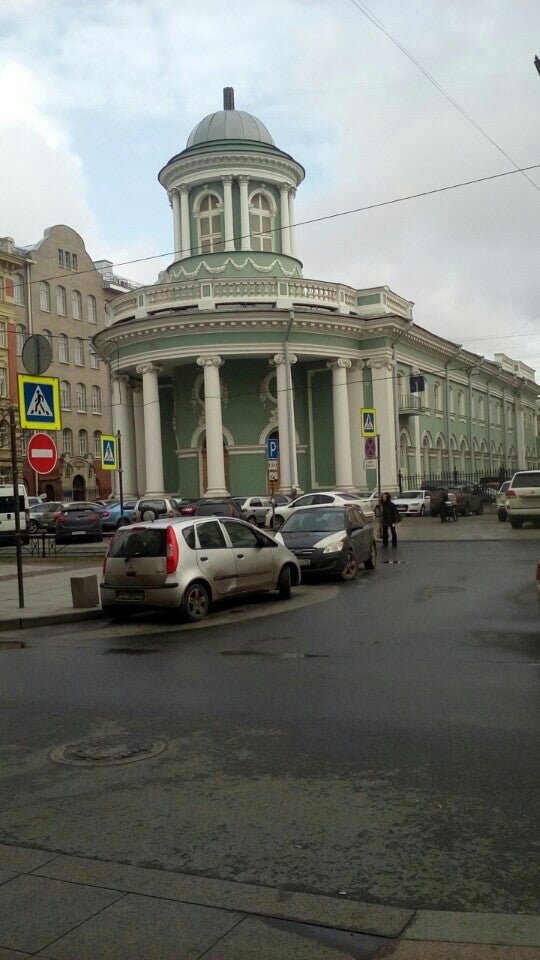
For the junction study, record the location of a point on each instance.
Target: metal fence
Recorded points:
(453, 478)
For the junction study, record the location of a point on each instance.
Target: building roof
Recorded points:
(229, 124)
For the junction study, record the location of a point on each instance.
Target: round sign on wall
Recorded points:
(36, 355)
(42, 453)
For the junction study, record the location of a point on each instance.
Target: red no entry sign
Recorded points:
(42, 453)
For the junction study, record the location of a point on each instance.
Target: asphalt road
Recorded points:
(380, 744)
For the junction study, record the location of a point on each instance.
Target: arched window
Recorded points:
(97, 444)
(67, 441)
(437, 397)
(63, 348)
(65, 395)
(94, 360)
(48, 336)
(68, 471)
(80, 393)
(45, 296)
(210, 224)
(461, 403)
(18, 288)
(3, 381)
(76, 302)
(21, 337)
(83, 443)
(79, 352)
(61, 301)
(96, 400)
(261, 222)
(91, 309)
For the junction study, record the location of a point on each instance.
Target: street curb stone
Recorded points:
(22, 623)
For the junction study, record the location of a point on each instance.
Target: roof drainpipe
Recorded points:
(407, 329)
(447, 391)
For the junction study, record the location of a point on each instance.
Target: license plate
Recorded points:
(78, 533)
(305, 563)
(130, 594)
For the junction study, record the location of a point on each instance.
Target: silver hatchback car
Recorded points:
(188, 562)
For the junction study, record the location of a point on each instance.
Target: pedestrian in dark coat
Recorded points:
(389, 518)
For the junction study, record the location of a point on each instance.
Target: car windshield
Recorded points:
(526, 480)
(323, 520)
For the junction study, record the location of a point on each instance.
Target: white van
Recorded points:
(7, 514)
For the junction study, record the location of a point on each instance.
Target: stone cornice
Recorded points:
(192, 170)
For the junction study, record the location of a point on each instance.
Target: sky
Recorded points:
(99, 94)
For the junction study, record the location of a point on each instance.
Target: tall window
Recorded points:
(437, 397)
(74, 260)
(67, 441)
(48, 336)
(79, 352)
(63, 348)
(60, 258)
(18, 288)
(480, 407)
(451, 397)
(80, 393)
(3, 382)
(68, 259)
(210, 229)
(21, 337)
(94, 361)
(91, 309)
(83, 443)
(261, 221)
(2, 334)
(96, 400)
(45, 296)
(97, 444)
(61, 301)
(65, 395)
(461, 403)
(76, 301)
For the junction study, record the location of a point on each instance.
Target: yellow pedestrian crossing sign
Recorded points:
(369, 424)
(39, 403)
(109, 452)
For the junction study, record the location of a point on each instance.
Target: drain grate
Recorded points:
(107, 751)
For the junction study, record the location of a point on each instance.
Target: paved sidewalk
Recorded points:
(47, 594)
(71, 908)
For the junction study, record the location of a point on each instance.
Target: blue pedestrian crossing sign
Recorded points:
(109, 452)
(272, 447)
(39, 403)
(369, 423)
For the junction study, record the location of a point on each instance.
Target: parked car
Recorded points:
(330, 539)
(113, 517)
(206, 507)
(501, 501)
(415, 503)
(42, 516)
(189, 562)
(320, 498)
(7, 514)
(34, 501)
(154, 508)
(77, 521)
(523, 498)
(469, 498)
(370, 503)
(254, 509)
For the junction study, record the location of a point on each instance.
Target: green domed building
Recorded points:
(233, 347)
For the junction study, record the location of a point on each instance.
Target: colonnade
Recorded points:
(136, 409)
(183, 241)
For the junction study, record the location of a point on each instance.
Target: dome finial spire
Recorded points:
(228, 98)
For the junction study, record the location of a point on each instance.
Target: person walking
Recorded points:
(389, 517)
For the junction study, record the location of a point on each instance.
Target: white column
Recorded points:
(138, 417)
(292, 229)
(122, 405)
(184, 221)
(228, 212)
(176, 225)
(383, 401)
(417, 448)
(520, 435)
(285, 482)
(215, 461)
(293, 457)
(285, 229)
(356, 402)
(245, 242)
(342, 427)
(152, 429)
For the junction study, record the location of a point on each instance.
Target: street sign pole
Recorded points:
(379, 481)
(15, 473)
(120, 472)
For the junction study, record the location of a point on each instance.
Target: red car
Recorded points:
(212, 508)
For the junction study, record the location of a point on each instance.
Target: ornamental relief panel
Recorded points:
(268, 395)
(178, 272)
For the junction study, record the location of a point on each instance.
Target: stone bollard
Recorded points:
(84, 591)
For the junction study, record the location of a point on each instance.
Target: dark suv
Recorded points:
(212, 508)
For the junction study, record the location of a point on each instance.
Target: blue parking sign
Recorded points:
(272, 448)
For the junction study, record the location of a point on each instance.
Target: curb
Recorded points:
(22, 623)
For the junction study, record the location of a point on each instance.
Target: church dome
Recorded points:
(229, 124)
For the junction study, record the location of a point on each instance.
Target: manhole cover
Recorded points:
(107, 751)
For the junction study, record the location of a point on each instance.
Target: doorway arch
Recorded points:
(79, 487)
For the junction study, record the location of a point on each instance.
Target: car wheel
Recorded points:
(148, 515)
(422, 511)
(377, 511)
(123, 522)
(32, 527)
(252, 519)
(284, 584)
(196, 602)
(502, 517)
(516, 524)
(350, 570)
(278, 522)
(371, 562)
